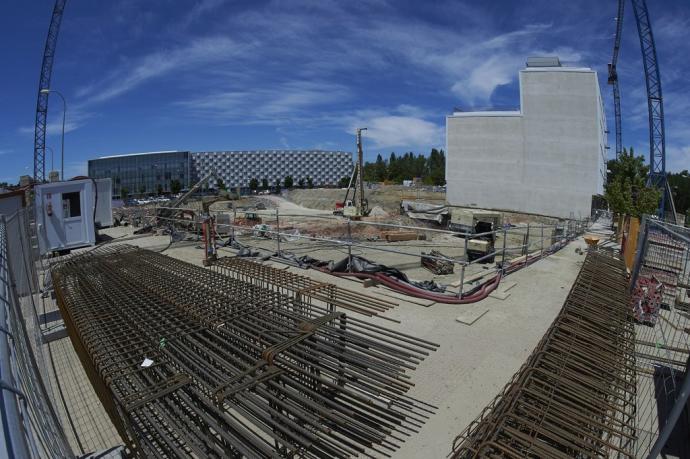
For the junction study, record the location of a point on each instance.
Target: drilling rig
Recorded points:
(355, 207)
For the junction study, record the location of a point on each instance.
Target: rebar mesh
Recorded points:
(575, 395)
(235, 368)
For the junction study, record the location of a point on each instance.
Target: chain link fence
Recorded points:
(30, 426)
(661, 307)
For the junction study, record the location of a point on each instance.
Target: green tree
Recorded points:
(220, 184)
(289, 181)
(142, 189)
(680, 187)
(431, 168)
(123, 193)
(175, 186)
(436, 168)
(277, 183)
(264, 183)
(310, 183)
(380, 169)
(159, 189)
(253, 184)
(626, 189)
(394, 169)
(344, 182)
(300, 182)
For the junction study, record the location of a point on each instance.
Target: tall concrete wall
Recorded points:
(548, 158)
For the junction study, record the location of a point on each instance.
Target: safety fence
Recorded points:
(30, 426)
(472, 262)
(661, 307)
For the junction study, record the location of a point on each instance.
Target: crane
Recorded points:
(613, 77)
(43, 87)
(655, 103)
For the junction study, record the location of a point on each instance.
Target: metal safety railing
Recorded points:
(30, 426)
(513, 246)
(661, 305)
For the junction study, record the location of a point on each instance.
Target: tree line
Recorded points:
(395, 169)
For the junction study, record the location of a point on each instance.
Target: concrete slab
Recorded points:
(499, 295)
(471, 315)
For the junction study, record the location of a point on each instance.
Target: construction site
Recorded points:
(368, 320)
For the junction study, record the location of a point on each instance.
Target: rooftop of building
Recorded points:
(533, 64)
(311, 150)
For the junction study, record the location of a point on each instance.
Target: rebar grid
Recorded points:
(238, 369)
(575, 395)
(301, 289)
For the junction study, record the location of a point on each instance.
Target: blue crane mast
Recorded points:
(44, 84)
(613, 77)
(655, 102)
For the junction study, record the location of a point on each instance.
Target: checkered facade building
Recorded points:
(237, 168)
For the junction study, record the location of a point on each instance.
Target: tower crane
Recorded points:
(613, 77)
(43, 87)
(655, 102)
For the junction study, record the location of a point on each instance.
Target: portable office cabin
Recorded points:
(104, 204)
(66, 215)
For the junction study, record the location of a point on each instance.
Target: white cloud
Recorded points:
(388, 130)
(404, 131)
(76, 117)
(289, 101)
(199, 52)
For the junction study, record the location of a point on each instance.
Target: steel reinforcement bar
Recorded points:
(575, 395)
(301, 288)
(193, 363)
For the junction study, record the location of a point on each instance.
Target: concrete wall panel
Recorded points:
(547, 159)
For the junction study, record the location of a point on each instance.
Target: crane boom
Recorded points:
(613, 77)
(44, 83)
(655, 102)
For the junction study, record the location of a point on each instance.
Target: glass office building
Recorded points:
(143, 173)
(149, 173)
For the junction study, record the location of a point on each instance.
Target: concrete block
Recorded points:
(370, 283)
(54, 334)
(499, 295)
(471, 315)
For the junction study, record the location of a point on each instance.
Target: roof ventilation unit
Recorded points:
(546, 61)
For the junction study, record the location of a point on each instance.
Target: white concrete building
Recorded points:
(547, 158)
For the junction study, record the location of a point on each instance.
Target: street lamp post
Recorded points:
(51, 157)
(64, 114)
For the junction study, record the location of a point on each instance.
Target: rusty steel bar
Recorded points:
(575, 395)
(236, 367)
(302, 288)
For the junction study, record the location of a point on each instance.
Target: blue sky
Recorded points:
(142, 75)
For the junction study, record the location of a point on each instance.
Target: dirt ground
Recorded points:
(387, 197)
